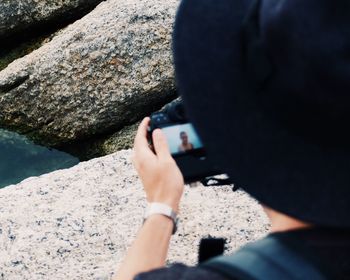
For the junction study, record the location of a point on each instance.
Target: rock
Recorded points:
(104, 145)
(101, 73)
(11, 53)
(24, 15)
(77, 223)
(123, 139)
(108, 144)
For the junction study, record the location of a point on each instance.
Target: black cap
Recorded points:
(267, 86)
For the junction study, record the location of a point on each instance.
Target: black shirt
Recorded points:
(327, 249)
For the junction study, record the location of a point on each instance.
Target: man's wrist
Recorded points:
(160, 220)
(164, 210)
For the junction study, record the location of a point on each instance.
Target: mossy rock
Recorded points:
(7, 56)
(123, 139)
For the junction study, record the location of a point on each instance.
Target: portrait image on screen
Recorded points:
(182, 138)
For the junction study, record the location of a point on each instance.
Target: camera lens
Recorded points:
(176, 112)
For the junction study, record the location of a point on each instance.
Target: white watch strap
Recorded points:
(163, 209)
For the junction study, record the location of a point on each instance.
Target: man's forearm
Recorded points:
(149, 249)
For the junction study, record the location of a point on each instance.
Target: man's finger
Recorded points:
(160, 144)
(140, 141)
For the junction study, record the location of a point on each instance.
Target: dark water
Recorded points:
(20, 159)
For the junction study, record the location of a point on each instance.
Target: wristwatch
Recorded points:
(163, 209)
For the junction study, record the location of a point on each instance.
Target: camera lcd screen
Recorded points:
(182, 138)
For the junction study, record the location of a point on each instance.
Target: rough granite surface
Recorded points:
(77, 223)
(101, 73)
(23, 15)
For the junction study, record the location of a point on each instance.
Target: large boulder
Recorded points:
(19, 16)
(101, 73)
(77, 223)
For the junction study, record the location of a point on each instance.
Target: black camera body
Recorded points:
(184, 143)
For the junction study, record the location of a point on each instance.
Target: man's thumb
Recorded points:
(160, 144)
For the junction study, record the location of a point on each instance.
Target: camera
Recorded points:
(184, 143)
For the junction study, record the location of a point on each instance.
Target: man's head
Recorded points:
(184, 137)
(267, 86)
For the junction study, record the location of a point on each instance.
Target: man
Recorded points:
(266, 84)
(185, 145)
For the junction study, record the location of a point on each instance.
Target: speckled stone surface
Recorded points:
(101, 73)
(23, 15)
(77, 223)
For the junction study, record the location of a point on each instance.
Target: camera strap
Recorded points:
(265, 259)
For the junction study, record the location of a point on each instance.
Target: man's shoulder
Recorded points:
(180, 272)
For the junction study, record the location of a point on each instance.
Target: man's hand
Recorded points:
(163, 182)
(161, 178)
